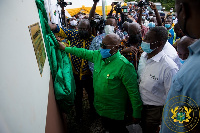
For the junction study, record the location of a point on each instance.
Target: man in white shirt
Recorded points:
(155, 72)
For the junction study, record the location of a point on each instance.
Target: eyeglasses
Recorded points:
(104, 46)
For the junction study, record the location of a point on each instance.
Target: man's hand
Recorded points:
(62, 46)
(153, 6)
(112, 4)
(136, 120)
(52, 26)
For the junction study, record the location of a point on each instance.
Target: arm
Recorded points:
(80, 52)
(92, 11)
(140, 17)
(158, 18)
(168, 79)
(111, 11)
(60, 32)
(129, 80)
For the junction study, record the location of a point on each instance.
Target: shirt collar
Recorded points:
(155, 58)
(111, 58)
(194, 48)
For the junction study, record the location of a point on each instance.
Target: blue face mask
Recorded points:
(167, 25)
(105, 53)
(143, 17)
(182, 61)
(125, 33)
(173, 18)
(146, 47)
(151, 25)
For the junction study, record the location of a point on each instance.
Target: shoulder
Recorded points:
(125, 61)
(169, 63)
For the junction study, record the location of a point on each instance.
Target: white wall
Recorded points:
(23, 92)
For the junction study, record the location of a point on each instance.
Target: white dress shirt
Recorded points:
(155, 77)
(171, 52)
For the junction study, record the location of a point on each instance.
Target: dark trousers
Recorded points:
(114, 126)
(151, 118)
(88, 85)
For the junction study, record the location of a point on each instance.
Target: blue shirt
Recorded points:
(184, 91)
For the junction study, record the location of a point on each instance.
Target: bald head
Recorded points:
(134, 28)
(111, 39)
(125, 26)
(182, 46)
(84, 24)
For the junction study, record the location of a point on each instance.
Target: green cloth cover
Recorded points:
(60, 65)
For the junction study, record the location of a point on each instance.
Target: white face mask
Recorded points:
(171, 10)
(109, 29)
(150, 17)
(73, 23)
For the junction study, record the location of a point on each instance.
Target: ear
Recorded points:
(181, 11)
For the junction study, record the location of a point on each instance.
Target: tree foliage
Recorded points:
(165, 3)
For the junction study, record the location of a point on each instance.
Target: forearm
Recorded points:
(81, 52)
(60, 32)
(92, 11)
(158, 18)
(130, 82)
(139, 21)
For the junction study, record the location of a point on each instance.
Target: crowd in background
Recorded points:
(126, 63)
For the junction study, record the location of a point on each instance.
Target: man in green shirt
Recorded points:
(114, 81)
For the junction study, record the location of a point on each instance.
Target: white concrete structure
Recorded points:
(23, 92)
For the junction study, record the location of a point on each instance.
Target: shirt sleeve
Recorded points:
(129, 80)
(66, 33)
(89, 55)
(168, 79)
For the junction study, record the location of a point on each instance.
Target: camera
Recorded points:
(64, 4)
(118, 7)
(95, 0)
(124, 9)
(142, 3)
(98, 24)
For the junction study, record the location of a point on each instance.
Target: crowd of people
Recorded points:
(133, 63)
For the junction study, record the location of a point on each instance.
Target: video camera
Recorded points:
(64, 4)
(95, 0)
(118, 7)
(98, 24)
(142, 3)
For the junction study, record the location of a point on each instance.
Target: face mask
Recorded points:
(125, 33)
(171, 10)
(105, 53)
(146, 47)
(152, 24)
(182, 61)
(150, 17)
(109, 29)
(167, 25)
(131, 14)
(173, 18)
(73, 23)
(143, 17)
(83, 34)
(135, 39)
